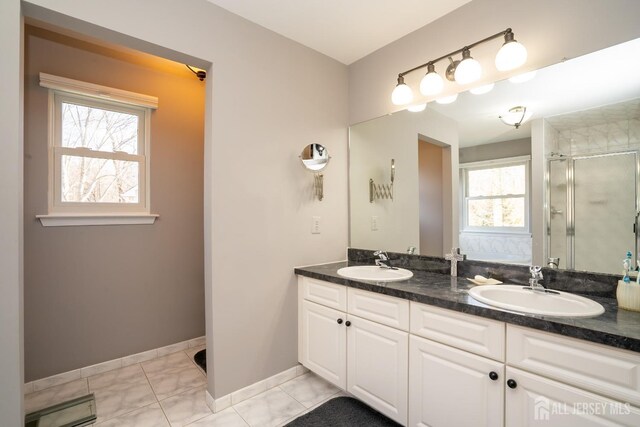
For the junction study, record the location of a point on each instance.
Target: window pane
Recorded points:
(496, 181)
(92, 180)
(99, 129)
(496, 212)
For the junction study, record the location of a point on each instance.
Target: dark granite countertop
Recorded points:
(616, 328)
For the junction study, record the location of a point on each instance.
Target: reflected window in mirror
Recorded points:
(495, 196)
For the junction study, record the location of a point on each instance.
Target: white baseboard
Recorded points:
(224, 402)
(110, 365)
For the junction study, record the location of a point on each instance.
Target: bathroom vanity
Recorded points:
(424, 353)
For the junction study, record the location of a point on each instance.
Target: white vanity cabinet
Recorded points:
(452, 386)
(359, 353)
(323, 343)
(422, 365)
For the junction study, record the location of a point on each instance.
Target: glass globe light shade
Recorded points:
(447, 99)
(417, 108)
(511, 56)
(402, 94)
(521, 78)
(468, 70)
(482, 89)
(431, 83)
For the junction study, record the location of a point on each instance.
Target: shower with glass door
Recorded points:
(592, 210)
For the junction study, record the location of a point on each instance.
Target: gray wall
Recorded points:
(550, 29)
(267, 97)
(497, 150)
(96, 293)
(11, 236)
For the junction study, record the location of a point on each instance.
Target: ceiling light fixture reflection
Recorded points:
(481, 90)
(417, 108)
(516, 116)
(447, 99)
(524, 77)
(462, 71)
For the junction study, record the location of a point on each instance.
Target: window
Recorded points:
(98, 154)
(496, 196)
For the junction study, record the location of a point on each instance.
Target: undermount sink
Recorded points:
(375, 273)
(522, 299)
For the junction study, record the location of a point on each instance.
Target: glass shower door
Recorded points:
(604, 208)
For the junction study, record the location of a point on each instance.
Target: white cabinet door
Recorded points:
(450, 387)
(532, 400)
(377, 357)
(324, 342)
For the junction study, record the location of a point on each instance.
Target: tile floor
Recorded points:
(169, 391)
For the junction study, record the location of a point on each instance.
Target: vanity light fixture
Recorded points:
(480, 90)
(464, 71)
(516, 116)
(431, 83)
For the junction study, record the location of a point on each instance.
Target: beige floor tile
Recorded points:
(187, 407)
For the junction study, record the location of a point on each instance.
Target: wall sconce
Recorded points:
(464, 71)
(516, 116)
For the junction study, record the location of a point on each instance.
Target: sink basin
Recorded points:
(515, 298)
(375, 273)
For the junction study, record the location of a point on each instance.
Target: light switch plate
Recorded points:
(374, 223)
(315, 225)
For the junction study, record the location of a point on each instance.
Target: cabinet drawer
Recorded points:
(325, 293)
(475, 334)
(380, 308)
(603, 370)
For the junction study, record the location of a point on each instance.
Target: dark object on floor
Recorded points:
(343, 412)
(76, 412)
(201, 359)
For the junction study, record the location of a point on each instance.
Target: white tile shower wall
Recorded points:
(110, 365)
(622, 135)
(497, 247)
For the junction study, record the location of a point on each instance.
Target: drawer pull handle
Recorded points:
(348, 323)
(493, 375)
(512, 383)
(339, 321)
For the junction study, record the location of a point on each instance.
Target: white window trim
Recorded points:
(490, 164)
(69, 214)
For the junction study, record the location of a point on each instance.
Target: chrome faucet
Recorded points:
(455, 256)
(536, 276)
(411, 250)
(383, 260)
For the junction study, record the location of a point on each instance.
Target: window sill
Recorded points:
(65, 220)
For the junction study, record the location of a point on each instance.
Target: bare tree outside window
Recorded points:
(88, 176)
(496, 197)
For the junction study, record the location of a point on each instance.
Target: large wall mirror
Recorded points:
(540, 168)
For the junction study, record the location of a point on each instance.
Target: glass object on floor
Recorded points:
(73, 413)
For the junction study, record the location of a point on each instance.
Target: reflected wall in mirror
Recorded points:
(315, 157)
(563, 184)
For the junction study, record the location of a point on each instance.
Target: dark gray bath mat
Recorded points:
(343, 412)
(201, 359)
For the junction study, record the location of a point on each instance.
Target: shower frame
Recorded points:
(570, 204)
